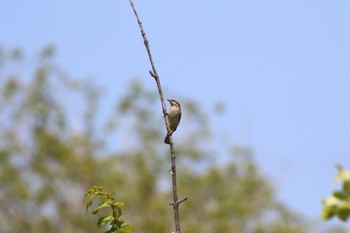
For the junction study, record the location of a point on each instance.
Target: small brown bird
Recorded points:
(174, 115)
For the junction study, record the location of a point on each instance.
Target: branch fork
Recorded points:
(179, 202)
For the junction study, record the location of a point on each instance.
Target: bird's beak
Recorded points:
(168, 100)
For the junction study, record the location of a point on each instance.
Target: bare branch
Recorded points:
(172, 171)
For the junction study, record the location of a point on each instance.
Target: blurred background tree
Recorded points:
(54, 145)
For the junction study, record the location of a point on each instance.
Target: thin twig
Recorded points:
(179, 202)
(154, 74)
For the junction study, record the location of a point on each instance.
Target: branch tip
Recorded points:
(184, 199)
(152, 74)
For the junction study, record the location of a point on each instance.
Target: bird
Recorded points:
(174, 115)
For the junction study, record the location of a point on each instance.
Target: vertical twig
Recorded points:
(154, 74)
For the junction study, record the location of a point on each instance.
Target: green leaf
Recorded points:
(342, 176)
(330, 201)
(119, 204)
(103, 205)
(346, 187)
(88, 204)
(343, 212)
(125, 229)
(104, 220)
(112, 230)
(119, 222)
(340, 195)
(89, 196)
(117, 211)
(327, 213)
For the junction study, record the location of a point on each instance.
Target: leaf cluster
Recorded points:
(338, 204)
(106, 200)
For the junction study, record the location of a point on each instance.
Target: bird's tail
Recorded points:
(166, 140)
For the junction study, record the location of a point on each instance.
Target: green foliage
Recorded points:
(106, 200)
(338, 204)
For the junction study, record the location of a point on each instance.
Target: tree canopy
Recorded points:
(54, 145)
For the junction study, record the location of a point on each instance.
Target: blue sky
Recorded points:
(281, 67)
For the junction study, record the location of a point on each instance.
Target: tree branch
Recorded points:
(154, 74)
